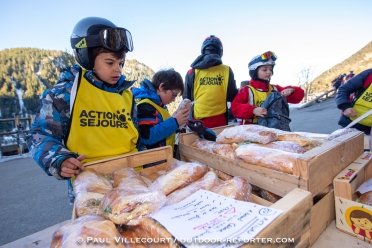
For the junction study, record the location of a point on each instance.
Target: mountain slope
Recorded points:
(358, 62)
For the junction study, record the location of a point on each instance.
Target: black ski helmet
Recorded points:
(212, 42)
(87, 34)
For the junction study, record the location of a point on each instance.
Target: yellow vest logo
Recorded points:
(92, 118)
(217, 80)
(367, 97)
(81, 44)
(259, 103)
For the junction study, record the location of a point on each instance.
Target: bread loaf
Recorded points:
(267, 157)
(128, 179)
(204, 145)
(207, 182)
(221, 175)
(237, 188)
(366, 198)
(150, 228)
(252, 133)
(87, 228)
(269, 196)
(178, 177)
(225, 150)
(132, 239)
(122, 206)
(89, 180)
(296, 138)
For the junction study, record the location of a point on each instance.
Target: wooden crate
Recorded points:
(294, 223)
(322, 215)
(346, 183)
(316, 168)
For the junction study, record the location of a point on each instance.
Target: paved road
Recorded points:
(32, 201)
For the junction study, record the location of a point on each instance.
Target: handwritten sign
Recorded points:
(206, 219)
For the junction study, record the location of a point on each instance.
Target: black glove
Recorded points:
(202, 131)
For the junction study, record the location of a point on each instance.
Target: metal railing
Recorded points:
(21, 133)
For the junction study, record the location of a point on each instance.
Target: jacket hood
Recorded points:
(146, 90)
(205, 61)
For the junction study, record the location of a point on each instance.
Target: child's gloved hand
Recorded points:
(202, 131)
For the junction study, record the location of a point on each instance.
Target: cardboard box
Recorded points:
(294, 223)
(316, 170)
(348, 211)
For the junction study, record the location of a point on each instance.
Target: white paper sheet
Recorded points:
(206, 219)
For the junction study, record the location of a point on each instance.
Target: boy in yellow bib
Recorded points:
(157, 126)
(90, 114)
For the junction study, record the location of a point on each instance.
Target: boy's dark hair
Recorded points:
(172, 80)
(98, 50)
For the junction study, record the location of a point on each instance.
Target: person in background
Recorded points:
(210, 84)
(337, 82)
(247, 103)
(90, 114)
(157, 126)
(355, 99)
(242, 85)
(349, 76)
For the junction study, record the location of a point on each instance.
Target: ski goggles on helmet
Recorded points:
(112, 39)
(266, 57)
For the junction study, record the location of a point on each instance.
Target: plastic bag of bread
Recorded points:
(85, 228)
(225, 150)
(286, 146)
(151, 229)
(185, 104)
(207, 182)
(203, 144)
(178, 177)
(338, 133)
(269, 196)
(267, 157)
(147, 180)
(128, 178)
(87, 203)
(302, 140)
(221, 175)
(237, 188)
(252, 133)
(129, 206)
(89, 180)
(132, 239)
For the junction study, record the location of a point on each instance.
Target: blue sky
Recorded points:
(167, 34)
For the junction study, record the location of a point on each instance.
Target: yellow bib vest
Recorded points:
(210, 91)
(362, 105)
(259, 98)
(170, 140)
(101, 125)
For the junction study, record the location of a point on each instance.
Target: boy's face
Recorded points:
(108, 68)
(265, 72)
(167, 96)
